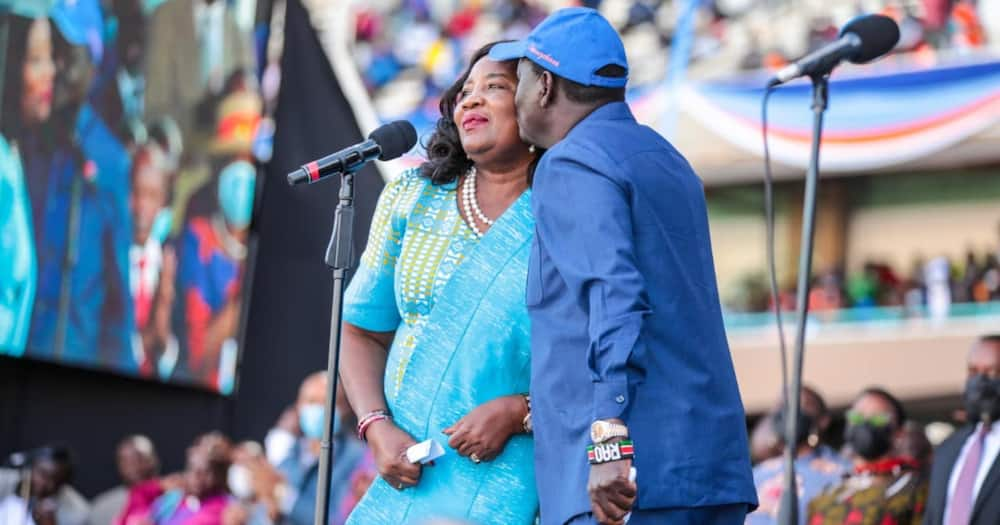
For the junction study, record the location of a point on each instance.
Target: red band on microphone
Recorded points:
(313, 169)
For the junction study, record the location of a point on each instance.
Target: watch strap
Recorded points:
(610, 452)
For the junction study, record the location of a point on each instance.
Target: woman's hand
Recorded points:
(483, 433)
(389, 443)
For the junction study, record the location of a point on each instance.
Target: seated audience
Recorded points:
(884, 487)
(137, 462)
(52, 501)
(198, 496)
(204, 495)
(296, 501)
(965, 478)
(817, 466)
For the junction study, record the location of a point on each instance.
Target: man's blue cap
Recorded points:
(572, 43)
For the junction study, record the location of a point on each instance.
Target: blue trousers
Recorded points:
(717, 515)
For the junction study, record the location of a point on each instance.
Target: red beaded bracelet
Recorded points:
(371, 417)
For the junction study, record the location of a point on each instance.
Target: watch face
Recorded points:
(597, 431)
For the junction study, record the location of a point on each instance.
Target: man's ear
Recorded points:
(547, 89)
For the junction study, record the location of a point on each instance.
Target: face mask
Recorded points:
(982, 398)
(162, 224)
(239, 481)
(802, 431)
(311, 421)
(869, 441)
(236, 188)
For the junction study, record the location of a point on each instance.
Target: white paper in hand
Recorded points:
(631, 477)
(424, 452)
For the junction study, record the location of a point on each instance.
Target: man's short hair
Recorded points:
(582, 94)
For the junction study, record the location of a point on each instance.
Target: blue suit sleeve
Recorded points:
(588, 234)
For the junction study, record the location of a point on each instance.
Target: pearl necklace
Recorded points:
(470, 204)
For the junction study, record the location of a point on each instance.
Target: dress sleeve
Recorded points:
(370, 300)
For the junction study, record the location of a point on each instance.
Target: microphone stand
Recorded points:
(788, 513)
(339, 258)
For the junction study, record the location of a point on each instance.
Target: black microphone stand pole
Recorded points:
(339, 258)
(788, 513)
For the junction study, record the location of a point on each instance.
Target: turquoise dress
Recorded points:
(462, 338)
(18, 268)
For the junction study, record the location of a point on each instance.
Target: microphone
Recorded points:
(862, 40)
(385, 143)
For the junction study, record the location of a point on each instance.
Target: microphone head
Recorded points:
(395, 139)
(878, 34)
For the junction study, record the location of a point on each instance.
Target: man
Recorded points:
(194, 47)
(213, 248)
(301, 467)
(627, 334)
(965, 477)
(816, 467)
(53, 501)
(137, 462)
(152, 265)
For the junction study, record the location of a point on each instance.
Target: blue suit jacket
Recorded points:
(626, 322)
(301, 471)
(84, 219)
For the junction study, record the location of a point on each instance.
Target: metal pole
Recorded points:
(338, 257)
(789, 510)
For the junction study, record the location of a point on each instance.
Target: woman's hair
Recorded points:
(897, 406)
(17, 50)
(446, 160)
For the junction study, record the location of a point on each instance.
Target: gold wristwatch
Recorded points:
(604, 431)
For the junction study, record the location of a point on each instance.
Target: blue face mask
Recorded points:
(236, 189)
(162, 225)
(311, 421)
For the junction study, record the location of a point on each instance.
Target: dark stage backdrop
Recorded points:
(286, 325)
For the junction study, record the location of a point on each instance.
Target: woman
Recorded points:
(204, 496)
(886, 488)
(817, 466)
(27, 104)
(436, 332)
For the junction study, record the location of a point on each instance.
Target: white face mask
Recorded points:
(240, 481)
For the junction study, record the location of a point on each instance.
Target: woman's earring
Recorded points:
(531, 148)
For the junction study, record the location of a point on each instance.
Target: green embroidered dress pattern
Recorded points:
(462, 338)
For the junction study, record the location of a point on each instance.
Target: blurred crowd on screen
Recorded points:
(129, 132)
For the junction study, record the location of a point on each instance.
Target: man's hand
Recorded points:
(611, 493)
